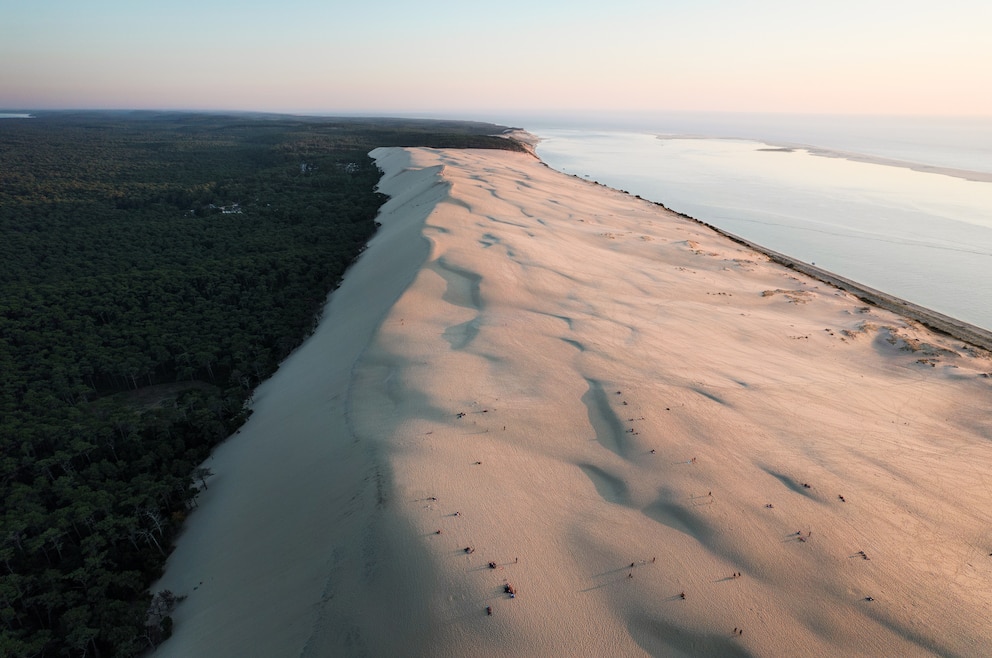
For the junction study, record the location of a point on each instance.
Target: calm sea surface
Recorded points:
(840, 193)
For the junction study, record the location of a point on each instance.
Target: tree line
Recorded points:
(154, 269)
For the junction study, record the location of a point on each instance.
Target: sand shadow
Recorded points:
(463, 286)
(711, 396)
(574, 343)
(605, 423)
(611, 488)
(459, 336)
(661, 638)
(677, 517)
(803, 488)
(488, 240)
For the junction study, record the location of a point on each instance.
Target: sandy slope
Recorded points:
(616, 407)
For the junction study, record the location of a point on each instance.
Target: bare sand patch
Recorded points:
(663, 443)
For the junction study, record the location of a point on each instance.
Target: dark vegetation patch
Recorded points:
(154, 268)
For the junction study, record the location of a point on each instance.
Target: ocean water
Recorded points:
(901, 205)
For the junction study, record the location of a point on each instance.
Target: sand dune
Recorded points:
(612, 410)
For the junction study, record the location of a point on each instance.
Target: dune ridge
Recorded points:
(591, 426)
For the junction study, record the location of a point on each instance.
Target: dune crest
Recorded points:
(589, 426)
(637, 408)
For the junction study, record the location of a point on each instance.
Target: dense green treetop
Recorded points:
(154, 268)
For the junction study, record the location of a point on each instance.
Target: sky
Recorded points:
(484, 59)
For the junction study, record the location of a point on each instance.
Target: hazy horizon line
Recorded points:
(474, 114)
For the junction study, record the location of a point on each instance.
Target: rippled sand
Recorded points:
(532, 381)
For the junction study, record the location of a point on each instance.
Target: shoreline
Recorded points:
(609, 408)
(930, 318)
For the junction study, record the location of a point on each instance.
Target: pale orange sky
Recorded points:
(876, 57)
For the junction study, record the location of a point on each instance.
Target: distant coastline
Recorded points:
(773, 147)
(929, 318)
